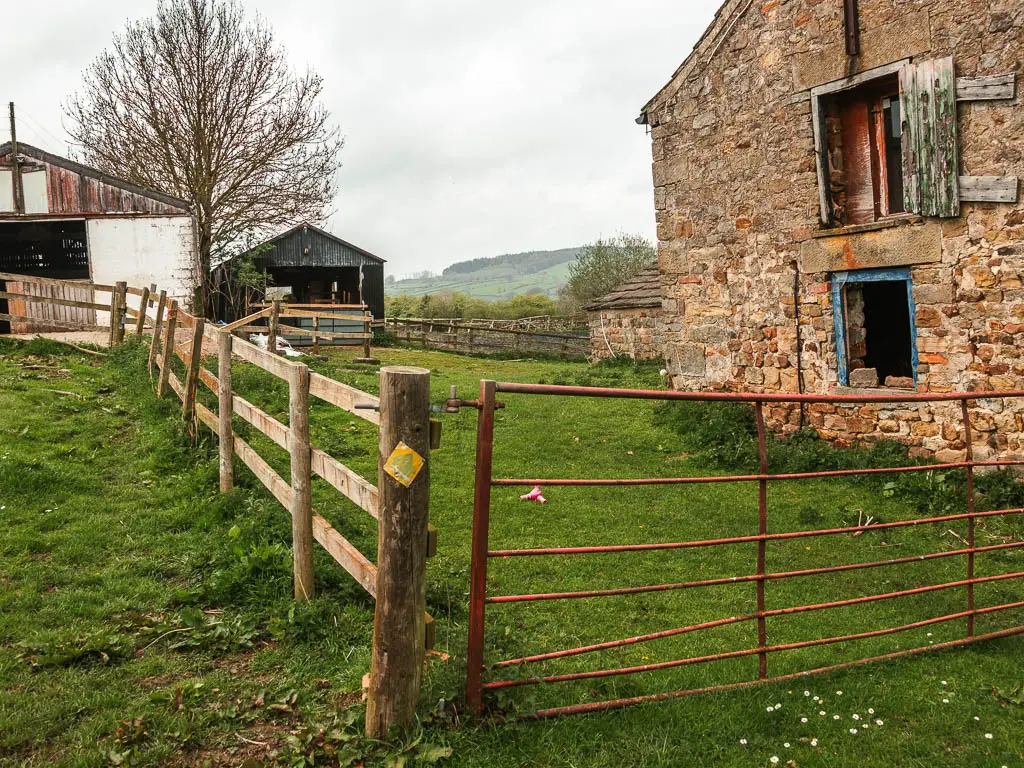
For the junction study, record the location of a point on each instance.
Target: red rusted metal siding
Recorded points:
(75, 189)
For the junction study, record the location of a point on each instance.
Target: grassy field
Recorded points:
(546, 281)
(147, 620)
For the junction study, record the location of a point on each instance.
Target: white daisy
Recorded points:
(774, 760)
(871, 711)
(879, 722)
(839, 693)
(835, 717)
(945, 701)
(743, 741)
(803, 719)
(807, 693)
(988, 735)
(822, 713)
(785, 744)
(856, 717)
(770, 709)
(853, 731)
(778, 706)
(814, 742)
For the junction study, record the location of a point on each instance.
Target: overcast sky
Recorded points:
(472, 128)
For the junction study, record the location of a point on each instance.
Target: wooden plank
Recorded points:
(322, 334)
(247, 320)
(989, 189)
(59, 323)
(122, 305)
(176, 386)
(51, 281)
(137, 291)
(185, 320)
(210, 380)
(273, 364)
(206, 416)
(29, 299)
(986, 88)
(353, 487)
(264, 472)
(343, 396)
(345, 555)
(946, 157)
(269, 304)
(910, 108)
(261, 420)
(290, 312)
(853, 81)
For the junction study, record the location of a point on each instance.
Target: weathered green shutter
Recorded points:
(930, 159)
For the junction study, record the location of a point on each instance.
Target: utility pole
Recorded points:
(19, 192)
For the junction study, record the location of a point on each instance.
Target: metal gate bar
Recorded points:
(481, 552)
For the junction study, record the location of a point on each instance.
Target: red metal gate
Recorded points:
(476, 685)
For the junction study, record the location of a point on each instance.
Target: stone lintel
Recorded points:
(894, 247)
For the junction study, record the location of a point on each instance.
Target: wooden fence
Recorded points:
(403, 631)
(452, 336)
(314, 323)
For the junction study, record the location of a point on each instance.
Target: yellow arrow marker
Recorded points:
(404, 464)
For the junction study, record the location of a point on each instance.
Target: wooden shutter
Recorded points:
(930, 159)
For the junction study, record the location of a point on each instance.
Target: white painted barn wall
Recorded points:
(142, 251)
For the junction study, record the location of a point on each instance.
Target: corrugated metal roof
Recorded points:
(642, 291)
(308, 246)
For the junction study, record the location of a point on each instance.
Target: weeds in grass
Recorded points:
(96, 648)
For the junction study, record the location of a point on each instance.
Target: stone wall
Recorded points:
(744, 262)
(633, 333)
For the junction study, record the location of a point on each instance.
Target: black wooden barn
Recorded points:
(312, 266)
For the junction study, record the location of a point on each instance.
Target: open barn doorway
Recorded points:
(53, 249)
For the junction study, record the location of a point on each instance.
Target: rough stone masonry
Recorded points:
(820, 213)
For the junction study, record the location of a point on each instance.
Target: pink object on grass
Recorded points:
(534, 495)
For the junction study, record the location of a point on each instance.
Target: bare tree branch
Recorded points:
(199, 102)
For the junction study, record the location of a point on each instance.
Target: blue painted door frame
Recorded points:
(839, 282)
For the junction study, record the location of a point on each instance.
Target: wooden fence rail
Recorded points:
(452, 336)
(403, 631)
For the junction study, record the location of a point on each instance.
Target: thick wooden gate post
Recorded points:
(154, 344)
(224, 408)
(399, 624)
(302, 502)
(121, 288)
(168, 349)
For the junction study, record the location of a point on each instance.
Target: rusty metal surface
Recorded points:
(476, 686)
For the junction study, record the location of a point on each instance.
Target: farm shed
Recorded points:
(60, 219)
(627, 321)
(837, 203)
(310, 266)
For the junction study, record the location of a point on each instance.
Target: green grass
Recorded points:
(546, 281)
(116, 542)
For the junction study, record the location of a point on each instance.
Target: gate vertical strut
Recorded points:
(478, 565)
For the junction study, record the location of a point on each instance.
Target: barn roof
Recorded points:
(92, 173)
(642, 291)
(728, 13)
(306, 245)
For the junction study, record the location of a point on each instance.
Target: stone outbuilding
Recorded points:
(627, 321)
(837, 205)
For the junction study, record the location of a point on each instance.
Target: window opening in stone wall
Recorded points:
(864, 134)
(878, 334)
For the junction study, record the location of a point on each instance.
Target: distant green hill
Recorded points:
(497, 277)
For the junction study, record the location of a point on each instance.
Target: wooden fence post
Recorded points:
(224, 408)
(188, 402)
(113, 316)
(275, 319)
(168, 348)
(316, 335)
(367, 333)
(302, 503)
(143, 308)
(399, 625)
(121, 302)
(154, 343)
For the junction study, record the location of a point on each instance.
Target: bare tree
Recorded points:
(200, 102)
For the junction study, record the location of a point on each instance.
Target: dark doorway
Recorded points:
(55, 249)
(887, 328)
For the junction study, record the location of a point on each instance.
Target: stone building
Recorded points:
(628, 321)
(837, 206)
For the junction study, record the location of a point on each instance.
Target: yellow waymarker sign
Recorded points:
(404, 464)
